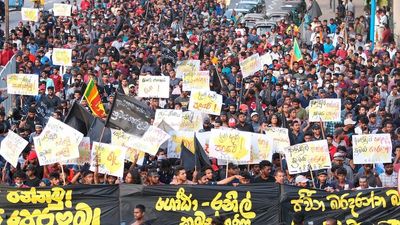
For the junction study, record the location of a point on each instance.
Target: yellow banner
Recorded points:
(327, 109)
(230, 145)
(110, 159)
(62, 57)
(177, 138)
(28, 14)
(23, 84)
(206, 102)
(312, 155)
(196, 80)
(372, 148)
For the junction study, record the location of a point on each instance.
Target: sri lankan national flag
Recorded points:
(94, 100)
(295, 55)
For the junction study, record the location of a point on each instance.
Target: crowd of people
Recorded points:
(115, 42)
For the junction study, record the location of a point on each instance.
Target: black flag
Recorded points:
(129, 115)
(201, 49)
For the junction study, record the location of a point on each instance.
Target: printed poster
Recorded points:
(23, 84)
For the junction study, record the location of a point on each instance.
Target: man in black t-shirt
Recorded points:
(265, 173)
(31, 180)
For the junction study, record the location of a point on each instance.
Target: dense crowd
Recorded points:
(115, 42)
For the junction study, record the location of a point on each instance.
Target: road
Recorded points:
(15, 16)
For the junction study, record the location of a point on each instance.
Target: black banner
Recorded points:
(43, 112)
(130, 115)
(198, 204)
(75, 205)
(379, 206)
(257, 204)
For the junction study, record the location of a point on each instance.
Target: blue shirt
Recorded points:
(328, 47)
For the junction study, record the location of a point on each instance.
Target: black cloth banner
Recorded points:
(129, 115)
(198, 204)
(379, 206)
(75, 205)
(256, 204)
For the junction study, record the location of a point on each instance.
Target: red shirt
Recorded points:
(6, 55)
(85, 5)
(57, 82)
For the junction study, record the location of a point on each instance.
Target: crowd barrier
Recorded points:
(198, 204)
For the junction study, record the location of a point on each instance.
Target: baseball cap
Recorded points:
(32, 155)
(253, 114)
(301, 179)
(338, 156)
(349, 121)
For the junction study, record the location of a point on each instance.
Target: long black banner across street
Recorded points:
(258, 204)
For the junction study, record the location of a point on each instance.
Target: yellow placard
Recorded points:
(177, 138)
(206, 102)
(28, 14)
(62, 57)
(23, 84)
(231, 145)
(110, 159)
(196, 80)
(326, 110)
(372, 148)
(308, 156)
(261, 148)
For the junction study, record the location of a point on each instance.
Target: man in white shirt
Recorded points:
(389, 177)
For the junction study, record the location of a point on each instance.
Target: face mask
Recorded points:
(161, 157)
(335, 84)
(301, 71)
(379, 84)
(326, 85)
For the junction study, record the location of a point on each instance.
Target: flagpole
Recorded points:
(227, 164)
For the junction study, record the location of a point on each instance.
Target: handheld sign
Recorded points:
(177, 138)
(326, 110)
(250, 65)
(172, 117)
(62, 9)
(186, 66)
(280, 136)
(206, 102)
(153, 87)
(196, 80)
(372, 148)
(301, 157)
(28, 14)
(230, 145)
(110, 159)
(62, 57)
(23, 84)
(11, 147)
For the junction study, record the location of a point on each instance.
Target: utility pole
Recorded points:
(7, 19)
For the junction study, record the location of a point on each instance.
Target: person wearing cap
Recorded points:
(265, 173)
(31, 179)
(317, 133)
(338, 159)
(301, 181)
(38, 131)
(322, 181)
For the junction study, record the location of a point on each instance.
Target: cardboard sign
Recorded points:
(62, 9)
(312, 155)
(261, 148)
(11, 147)
(57, 142)
(62, 57)
(250, 65)
(177, 138)
(230, 145)
(153, 139)
(84, 153)
(120, 138)
(208, 102)
(153, 87)
(186, 66)
(196, 80)
(172, 117)
(110, 159)
(191, 121)
(280, 136)
(28, 14)
(23, 84)
(372, 148)
(327, 110)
